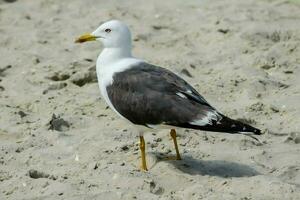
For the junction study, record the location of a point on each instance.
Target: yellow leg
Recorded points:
(142, 147)
(173, 135)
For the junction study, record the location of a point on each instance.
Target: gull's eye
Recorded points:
(107, 30)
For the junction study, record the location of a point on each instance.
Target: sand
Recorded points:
(59, 140)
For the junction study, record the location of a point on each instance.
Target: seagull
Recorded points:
(149, 96)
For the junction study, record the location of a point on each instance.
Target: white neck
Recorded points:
(110, 55)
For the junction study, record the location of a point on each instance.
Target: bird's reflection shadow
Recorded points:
(219, 168)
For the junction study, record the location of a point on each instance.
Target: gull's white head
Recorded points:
(113, 34)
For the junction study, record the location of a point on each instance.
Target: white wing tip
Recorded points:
(210, 116)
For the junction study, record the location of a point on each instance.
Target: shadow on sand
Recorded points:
(219, 168)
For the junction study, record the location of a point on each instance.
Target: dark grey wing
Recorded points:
(172, 83)
(149, 95)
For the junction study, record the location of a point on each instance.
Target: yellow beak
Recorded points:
(85, 38)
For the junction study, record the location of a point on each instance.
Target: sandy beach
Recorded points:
(59, 140)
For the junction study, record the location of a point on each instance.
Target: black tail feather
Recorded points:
(234, 126)
(226, 125)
